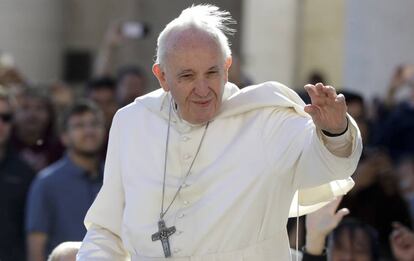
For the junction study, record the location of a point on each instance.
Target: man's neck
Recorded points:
(88, 163)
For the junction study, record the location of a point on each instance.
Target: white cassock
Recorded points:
(257, 152)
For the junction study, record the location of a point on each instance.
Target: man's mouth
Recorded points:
(203, 103)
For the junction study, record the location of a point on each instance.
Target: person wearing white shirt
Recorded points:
(200, 170)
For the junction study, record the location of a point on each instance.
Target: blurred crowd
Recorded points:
(52, 151)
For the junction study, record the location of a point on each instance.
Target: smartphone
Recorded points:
(134, 29)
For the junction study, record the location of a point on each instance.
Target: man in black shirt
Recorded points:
(15, 178)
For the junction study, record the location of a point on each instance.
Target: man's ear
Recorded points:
(227, 65)
(159, 73)
(229, 60)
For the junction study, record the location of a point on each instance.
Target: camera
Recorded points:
(134, 29)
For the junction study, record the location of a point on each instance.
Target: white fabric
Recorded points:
(257, 152)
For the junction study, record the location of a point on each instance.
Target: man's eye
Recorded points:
(186, 76)
(212, 72)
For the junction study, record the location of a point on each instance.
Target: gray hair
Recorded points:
(207, 18)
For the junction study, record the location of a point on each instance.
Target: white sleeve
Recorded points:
(325, 158)
(340, 146)
(314, 158)
(104, 217)
(100, 244)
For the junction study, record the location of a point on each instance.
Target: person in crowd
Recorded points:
(353, 240)
(61, 95)
(15, 179)
(34, 137)
(357, 109)
(395, 125)
(102, 91)
(330, 236)
(376, 198)
(402, 77)
(130, 84)
(319, 225)
(105, 62)
(402, 242)
(405, 175)
(131, 81)
(62, 193)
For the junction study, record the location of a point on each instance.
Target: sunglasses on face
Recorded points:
(6, 117)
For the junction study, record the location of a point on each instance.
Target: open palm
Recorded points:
(327, 109)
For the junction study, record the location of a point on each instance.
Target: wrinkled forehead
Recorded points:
(182, 40)
(189, 35)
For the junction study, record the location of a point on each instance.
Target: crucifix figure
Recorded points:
(163, 234)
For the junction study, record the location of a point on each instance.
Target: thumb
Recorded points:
(310, 109)
(340, 215)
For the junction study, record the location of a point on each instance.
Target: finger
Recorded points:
(312, 110)
(311, 90)
(330, 92)
(313, 94)
(320, 89)
(340, 215)
(340, 99)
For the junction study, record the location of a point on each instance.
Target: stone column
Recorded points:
(321, 41)
(31, 31)
(269, 39)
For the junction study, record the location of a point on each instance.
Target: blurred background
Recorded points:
(351, 43)
(55, 53)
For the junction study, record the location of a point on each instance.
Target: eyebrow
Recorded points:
(215, 67)
(184, 72)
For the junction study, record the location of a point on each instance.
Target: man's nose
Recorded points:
(202, 88)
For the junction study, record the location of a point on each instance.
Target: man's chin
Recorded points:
(88, 153)
(203, 119)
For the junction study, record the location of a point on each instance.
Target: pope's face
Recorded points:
(195, 72)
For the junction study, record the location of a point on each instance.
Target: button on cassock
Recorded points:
(184, 138)
(187, 156)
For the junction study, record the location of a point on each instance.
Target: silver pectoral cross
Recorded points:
(163, 234)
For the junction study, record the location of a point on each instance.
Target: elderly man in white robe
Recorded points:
(200, 170)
